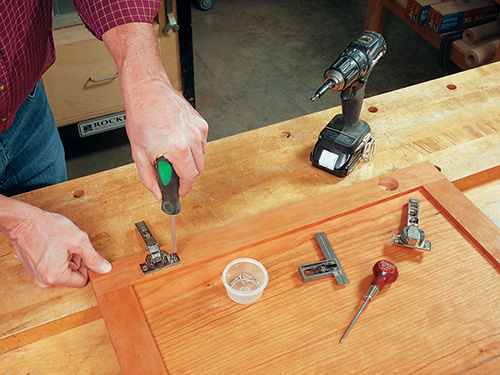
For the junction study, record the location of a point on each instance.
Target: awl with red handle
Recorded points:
(384, 272)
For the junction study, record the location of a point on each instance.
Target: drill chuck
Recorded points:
(354, 64)
(332, 82)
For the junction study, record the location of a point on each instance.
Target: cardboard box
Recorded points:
(417, 10)
(455, 16)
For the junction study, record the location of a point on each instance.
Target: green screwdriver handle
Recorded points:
(169, 186)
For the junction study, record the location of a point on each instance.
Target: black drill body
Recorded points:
(341, 144)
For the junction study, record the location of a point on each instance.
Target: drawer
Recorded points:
(74, 84)
(80, 86)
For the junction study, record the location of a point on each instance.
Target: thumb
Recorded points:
(94, 261)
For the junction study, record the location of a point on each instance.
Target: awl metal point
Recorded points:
(384, 272)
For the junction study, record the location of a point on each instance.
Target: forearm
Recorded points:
(135, 50)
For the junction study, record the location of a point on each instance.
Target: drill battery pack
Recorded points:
(340, 148)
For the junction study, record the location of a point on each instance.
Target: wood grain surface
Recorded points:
(442, 299)
(246, 175)
(130, 333)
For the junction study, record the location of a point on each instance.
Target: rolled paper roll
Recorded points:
(479, 33)
(482, 54)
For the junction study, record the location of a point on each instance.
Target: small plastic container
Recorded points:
(245, 280)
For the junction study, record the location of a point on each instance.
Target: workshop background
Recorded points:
(259, 62)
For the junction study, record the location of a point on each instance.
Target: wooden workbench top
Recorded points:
(453, 122)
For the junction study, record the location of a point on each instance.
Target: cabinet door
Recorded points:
(179, 320)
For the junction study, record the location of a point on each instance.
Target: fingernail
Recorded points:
(106, 267)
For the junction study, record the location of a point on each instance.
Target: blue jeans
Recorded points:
(31, 151)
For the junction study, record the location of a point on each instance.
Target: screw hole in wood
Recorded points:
(285, 134)
(78, 193)
(388, 183)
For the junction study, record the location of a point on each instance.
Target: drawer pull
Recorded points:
(171, 21)
(103, 79)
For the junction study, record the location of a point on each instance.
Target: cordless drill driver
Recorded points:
(346, 139)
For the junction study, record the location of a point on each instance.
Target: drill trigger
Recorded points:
(348, 93)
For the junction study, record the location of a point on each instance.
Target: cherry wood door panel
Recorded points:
(441, 314)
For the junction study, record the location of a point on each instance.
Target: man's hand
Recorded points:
(51, 248)
(163, 123)
(160, 122)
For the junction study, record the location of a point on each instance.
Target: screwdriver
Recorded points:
(383, 272)
(169, 186)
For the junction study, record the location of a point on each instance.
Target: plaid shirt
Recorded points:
(27, 47)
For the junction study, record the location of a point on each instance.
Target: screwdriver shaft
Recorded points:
(172, 232)
(355, 318)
